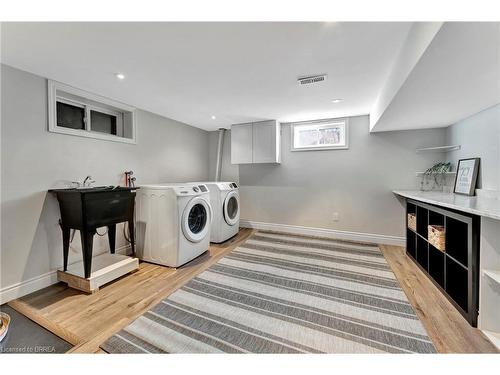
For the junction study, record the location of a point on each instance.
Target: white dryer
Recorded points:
(173, 223)
(225, 202)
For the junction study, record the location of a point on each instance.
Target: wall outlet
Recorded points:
(335, 216)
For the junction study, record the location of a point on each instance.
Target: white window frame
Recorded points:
(56, 91)
(318, 125)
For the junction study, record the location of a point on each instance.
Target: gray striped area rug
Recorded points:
(283, 293)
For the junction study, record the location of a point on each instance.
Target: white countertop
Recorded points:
(487, 207)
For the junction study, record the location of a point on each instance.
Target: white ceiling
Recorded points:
(457, 76)
(235, 71)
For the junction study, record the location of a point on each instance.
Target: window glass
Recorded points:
(327, 135)
(306, 137)
(102, 122)
(80, 113)
(70, 116)
(197, 218)
(232, 207)
(331, 136)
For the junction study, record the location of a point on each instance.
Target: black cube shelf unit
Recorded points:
(456, 270)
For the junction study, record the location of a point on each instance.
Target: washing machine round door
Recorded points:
(196, 219)
(232, 208)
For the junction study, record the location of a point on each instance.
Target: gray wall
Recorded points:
(34, 160)
(305, 189)
(479, 136)
(309, 186)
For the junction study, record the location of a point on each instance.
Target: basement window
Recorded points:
(320, 135)
(77, 112)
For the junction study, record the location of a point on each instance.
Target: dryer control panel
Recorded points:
(226, 185)
(190, 189)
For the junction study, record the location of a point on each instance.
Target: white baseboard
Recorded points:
(39, 282)
(26, 287)
(23, 288)
(329, 233)
(494, 337)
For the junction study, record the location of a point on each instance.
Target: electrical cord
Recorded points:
(73, 232)
(127, 237)
(125, 234)
(131, 183)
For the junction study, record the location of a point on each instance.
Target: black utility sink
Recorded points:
(89, 208)
(95, 188)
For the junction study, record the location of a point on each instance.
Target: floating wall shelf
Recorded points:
(493, 274)
(439, 149)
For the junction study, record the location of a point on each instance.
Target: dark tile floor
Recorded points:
(25, 336)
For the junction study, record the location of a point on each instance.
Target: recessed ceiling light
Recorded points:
(335, 101)
(213, 117)
(120, 76)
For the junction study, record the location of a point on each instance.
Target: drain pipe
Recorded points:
(220, 145)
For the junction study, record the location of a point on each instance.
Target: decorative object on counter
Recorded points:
(465, 181)
(436, 236)
(4, 325)
(436, 177)
(439, 168)
(412, 221)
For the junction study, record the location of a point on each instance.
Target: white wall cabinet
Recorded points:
(258, 142)
(242, 144)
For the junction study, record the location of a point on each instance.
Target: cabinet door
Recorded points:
(266, 142)
(241, 144)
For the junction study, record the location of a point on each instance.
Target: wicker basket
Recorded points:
(4, 326)
(436, 236)
(412, 222)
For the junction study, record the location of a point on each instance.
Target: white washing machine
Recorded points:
(172, 223)
(225, 202)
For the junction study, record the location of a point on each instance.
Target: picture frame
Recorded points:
(466, 177)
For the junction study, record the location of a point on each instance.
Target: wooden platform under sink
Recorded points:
(105, 268)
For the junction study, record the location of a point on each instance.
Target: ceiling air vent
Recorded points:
(309, 80)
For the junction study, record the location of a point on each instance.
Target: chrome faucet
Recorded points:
(88, 181)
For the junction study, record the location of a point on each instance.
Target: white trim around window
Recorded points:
(340, 141)
(59, 92)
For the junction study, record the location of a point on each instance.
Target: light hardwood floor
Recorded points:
(88, 320)
(448, 330)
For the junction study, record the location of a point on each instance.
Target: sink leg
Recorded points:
(132, 236)
(66, 236)
(112, 237)
(87, 244)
